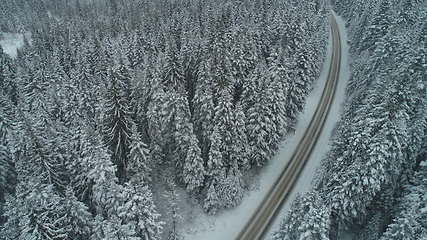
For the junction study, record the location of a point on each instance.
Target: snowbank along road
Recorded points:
(258, 225)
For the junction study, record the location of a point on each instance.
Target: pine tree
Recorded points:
(260, 128)
(223, 120)
(239, 151)
(215, 161)
(7, 173)
(137, 211)
(35, 150)
(194, 171)
(139, 158)
(410, 220)
(307, 219)
(212, 204)
(112, 229)
(203, 108)
(141, 91)
(173, 77)
(182, 130)
(159, 118)
(7, 77)
(117, 123)
(78, 219)
(37, 212)
(105, 187)
(91, 156)
(215, 173)
(231, 189)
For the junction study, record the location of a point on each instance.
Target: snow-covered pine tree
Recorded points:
(7, 77)
(238, 148)
(267, 118)
(139, 158)
(105, 190)
(122, 71)
(230, 190)
(307, 219)
(117, 123)
(276, 92)
(259, 125)
(7, 172)
(203, 105)
(39, 212)
(173, 77)
(187, 150)
(111, 229)
(211, 203)
(194, 170)
(215, 173)
(88, 148)
(158, 116)
(137, 211)
(230, 125)
(141, 88)
(410, 220)
(78, 218)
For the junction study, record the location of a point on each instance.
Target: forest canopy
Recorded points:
(111, 102)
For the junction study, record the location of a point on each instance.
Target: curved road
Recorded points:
(259, 223)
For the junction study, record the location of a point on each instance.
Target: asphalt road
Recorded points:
(259, 223)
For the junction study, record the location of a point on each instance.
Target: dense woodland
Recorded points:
(111, 107)
(373, 181)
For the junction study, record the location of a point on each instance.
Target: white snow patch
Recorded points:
(10, 42)
(227, 224)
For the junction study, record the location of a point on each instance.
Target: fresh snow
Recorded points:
(10, 42)
(226, 224)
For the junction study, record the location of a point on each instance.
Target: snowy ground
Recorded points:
(227, 224)
(10, 42)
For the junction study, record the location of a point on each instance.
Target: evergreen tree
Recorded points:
(215, 173)
(79, 220)
(229, 124)
(158, 116)
(307, 219)
(212, 202)
(194, 171)
(173, 77)
(7, 172)
(203, 108)
(137, 211)
(38, 212)
(230, 190)
(117, 123)
(139, 158)
(410, 221)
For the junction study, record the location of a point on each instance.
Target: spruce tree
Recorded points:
(117, 123)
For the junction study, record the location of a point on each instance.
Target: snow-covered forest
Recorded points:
(373, 181)
(113, 111)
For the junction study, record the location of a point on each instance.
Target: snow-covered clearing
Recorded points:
(227, 224)
(10, 42)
